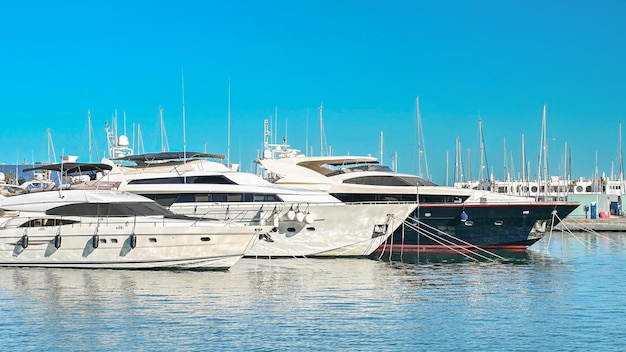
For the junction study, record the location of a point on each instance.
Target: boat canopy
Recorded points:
(71, 168)
(150, 158)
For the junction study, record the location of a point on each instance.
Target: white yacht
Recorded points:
(305, 223)
(104, 229)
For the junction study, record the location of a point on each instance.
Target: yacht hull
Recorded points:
(112, 246)
(489, 226)
(332, 230)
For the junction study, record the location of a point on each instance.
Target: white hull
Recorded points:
(336, 229)
(216, 248)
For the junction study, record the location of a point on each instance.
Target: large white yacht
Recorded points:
(104, 229)
(472, 217)
(305, 223)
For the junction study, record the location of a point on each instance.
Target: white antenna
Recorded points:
(228, 147)
(483, 155)
(140, 146)
(51, 147)
(165, 147)
(421, 148)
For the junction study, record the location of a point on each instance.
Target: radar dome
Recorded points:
(123, 141)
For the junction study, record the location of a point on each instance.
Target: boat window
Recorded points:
(47, 222)
(153, 181)
(390, 181)
(201, 198)
(163, 199)
(266, 198)
(109, 209)
(378, 197)
(209, 179)
(218, 197)
(235, 197)
(212, 179)
(167, 199)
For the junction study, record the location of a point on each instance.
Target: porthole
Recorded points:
(427, 215)
(113, 240)
(525, 212)
(203, 239)
(310, 228)
(154, 240)
(291, 229)
(579, 189)
(469, 223)
(498, 223)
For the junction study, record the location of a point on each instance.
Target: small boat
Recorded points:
(114, 230)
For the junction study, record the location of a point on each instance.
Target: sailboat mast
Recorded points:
(321, 131)
(89, 131)
(381, 147)
(506, 168)
(545, 148)
(621, 160)
(447, 166)
(523, 159)
(306, 138)
(184, 116)
(228, 146)
(419, 137)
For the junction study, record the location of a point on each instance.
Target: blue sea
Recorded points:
(567, 293)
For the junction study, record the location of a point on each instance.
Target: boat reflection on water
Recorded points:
(441, 257)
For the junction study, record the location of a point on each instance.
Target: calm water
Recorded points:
(561, 295)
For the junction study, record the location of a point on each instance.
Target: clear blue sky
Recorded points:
(365, 60)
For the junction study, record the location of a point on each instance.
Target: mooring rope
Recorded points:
(584, 229)
(439, 237)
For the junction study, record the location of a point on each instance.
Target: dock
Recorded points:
(612, 224)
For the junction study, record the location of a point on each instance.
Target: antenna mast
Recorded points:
(421, 146)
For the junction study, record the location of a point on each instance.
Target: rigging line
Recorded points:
(453, 237)
(590, 231)
(452, 246)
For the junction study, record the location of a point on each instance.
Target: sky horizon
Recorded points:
(364, 61)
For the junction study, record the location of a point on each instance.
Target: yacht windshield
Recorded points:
(391, 180)
(110, 209)
(210, 179)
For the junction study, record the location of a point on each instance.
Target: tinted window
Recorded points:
(390, 181)
(109, 209)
